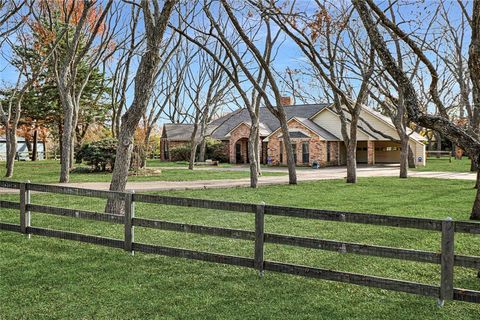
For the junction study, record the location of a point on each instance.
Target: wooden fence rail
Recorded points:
(446, 258)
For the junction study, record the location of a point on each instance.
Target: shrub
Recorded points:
(99, 154)
(216, 151)
(180, 153)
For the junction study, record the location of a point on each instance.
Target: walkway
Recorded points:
(303, 174)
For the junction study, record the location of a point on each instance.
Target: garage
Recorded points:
(387, 152)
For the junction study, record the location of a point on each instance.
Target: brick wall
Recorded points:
(241, 132)
(317, 147)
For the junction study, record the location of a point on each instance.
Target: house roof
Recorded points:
(309, 124)
(268, 122)
(322, 132)
(19, 139)
(178, 131)
(297, 134)
(414, 135)
(221, 127)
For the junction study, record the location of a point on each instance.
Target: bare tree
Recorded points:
(239, 69)
(390, 99)
(155, 24)
(11, 17)
(151, 118)
(121, 77)
(367, 9)
(207, 87)
(92, 28)
(274, 101)
(28, 72)
(320, 36)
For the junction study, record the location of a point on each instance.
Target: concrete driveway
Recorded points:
(303, 174)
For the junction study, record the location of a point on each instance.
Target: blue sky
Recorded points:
(288, 57)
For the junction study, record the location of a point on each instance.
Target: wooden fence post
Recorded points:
(24, 213)
(129, 215)
(259, 238)
(447, 260)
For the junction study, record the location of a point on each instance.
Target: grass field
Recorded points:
(442, 164)
(45, 278)
(48, 172)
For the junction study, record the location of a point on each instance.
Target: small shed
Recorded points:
(22, 150)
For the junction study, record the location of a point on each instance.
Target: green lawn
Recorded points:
(55, 279)
(48, 172)
(442, 164)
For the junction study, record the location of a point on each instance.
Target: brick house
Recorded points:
(315, 133)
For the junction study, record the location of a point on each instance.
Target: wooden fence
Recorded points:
(447, 259)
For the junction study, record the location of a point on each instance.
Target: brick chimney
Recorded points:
(286, 101)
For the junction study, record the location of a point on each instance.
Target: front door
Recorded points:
(238, 152)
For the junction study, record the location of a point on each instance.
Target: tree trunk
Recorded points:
(66, 145)
(75, 139)
(438, 143)
(120, 170)
(411, 158)
(146, 146)
(203, 149)
(474, 68)
(352, 162)
(11, 145)
(67, 133)
(193, 144)
(475, 215)
(258, 150)
(28, 143)
(72, 153)
(473, 165)
(351, 145)
(34, 147)
(404, 149)
(292, 171)
(252, 155)
(144, 82)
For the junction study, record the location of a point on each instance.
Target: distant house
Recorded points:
(315, 133)
(22, 150)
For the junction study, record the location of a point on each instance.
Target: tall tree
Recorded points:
(337, 53)
(28, 73)
(272, 99)
(207, 87)
(367, 10)
(238, 68)
(155, 23)
(89, 40)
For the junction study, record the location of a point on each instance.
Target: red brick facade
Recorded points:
(239, 136)
(319, 150)
(326, 153)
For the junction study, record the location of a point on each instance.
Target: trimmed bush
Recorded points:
(180, 153)
(216, 151)
(100, 155)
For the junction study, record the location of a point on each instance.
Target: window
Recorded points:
(281, 151)
(305, 152)
(238, 152)
(328, 151)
